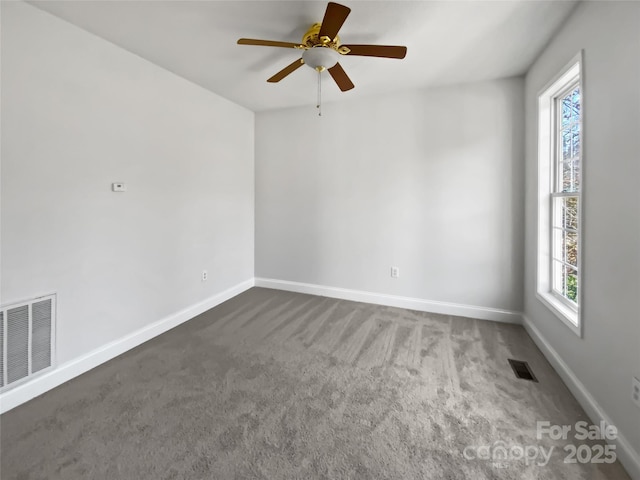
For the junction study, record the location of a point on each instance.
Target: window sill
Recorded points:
(569, 317)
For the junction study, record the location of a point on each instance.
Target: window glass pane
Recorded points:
(570, 286)
(569, 212)
(567, 176)
(566, 111)
(575, 103)
(570, 248)
(571, 175)
(566, 144)
(575, 135)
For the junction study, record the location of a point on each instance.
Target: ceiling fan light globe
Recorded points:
(320, 58)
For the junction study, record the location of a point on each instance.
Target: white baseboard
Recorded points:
(433, 306)
(627, 455)
(67, 371)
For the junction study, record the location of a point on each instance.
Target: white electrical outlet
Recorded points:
(118, 187)
(205, 275)
(395, 272)
(635, 392)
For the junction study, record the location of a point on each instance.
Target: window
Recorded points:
(560, 140)
(565, 197)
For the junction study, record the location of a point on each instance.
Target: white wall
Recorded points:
(429, 181)
(609, 354)
(79, 113)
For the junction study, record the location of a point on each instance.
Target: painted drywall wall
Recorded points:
(428, 181)
(608, 355)
(79, 113)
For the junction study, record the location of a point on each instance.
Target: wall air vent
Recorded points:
(26, 340)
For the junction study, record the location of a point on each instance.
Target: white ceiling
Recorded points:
(448, 42)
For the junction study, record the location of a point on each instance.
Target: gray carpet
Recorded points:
(278, 385)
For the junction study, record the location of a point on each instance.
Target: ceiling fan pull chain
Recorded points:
(319, 105)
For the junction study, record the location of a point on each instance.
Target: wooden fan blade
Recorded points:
(267, 43)
(341, 78)
(286, 71)
(334, 17)
(386, 51)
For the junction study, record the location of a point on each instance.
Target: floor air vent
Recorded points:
(522, 370)
(26, 340)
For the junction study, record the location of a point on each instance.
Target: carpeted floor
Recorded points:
(278, 385)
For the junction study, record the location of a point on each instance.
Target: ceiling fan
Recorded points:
(322, 48)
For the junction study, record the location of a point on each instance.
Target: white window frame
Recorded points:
(570, 76)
